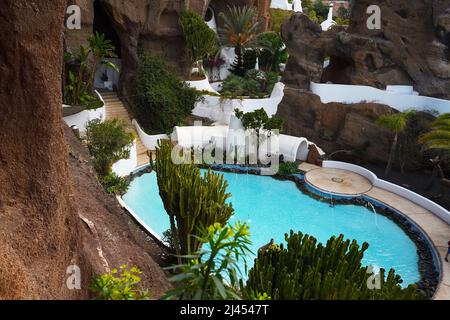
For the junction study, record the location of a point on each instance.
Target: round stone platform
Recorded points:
(338, 181)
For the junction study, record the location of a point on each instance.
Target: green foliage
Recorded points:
(201, 41)
(259, 120)
(190, 199)
(213, 273)
(255, 84)
(240, 31)
(279, 16)
(306, 270)
(321, 10)
(108, 142)
(162, 101)
(122, 284)
(79, 89)
(114, 184)
(439, 136)
(270, 60)
(287, 168)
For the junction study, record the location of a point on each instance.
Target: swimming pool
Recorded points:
(273, 207)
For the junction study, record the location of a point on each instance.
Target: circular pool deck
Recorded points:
(346, 183)
(338, 181)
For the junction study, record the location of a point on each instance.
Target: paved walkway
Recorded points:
(115, 109)
(349, 183)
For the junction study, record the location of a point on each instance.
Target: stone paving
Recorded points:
(344, 182)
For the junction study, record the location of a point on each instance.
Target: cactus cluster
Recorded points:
(306, 269)
(190, 199)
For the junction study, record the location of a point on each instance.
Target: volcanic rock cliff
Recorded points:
(151, 26)
(411, 48)
(53, 212)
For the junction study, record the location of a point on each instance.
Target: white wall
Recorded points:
(281, 4)
(215, 109)
(396, 97)
(82, 118)
(431, 206)
(124, 167)
(202, 85)
(149, 141)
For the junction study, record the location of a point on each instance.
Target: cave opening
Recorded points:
(103, 24)
(335, 70)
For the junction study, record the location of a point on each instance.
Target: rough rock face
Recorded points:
(41, 230)
(412, 47)
(150, 26)
(335, 126)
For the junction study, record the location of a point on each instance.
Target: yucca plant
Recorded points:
(213, 272)
(241, 27)
(396, 123)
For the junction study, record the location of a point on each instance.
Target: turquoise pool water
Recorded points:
(273, 207)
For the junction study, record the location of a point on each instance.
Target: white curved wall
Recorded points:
(293, 148)
(403, 192)
(149, 141)
(213, 108)
(82, 118)
(202, 85)
(125, 166)
(396, 97)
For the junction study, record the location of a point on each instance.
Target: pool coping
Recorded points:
(431, 245)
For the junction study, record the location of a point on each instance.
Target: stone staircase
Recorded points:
(115, 109)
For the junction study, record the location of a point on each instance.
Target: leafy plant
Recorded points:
(79, 90)
(114, 184)
(271, 59)
(307, 270)
(201, 40)
(279, 16)
(162, 101)
(287, 168)
(190, 199)
(396, 123)
(213, 272)
(108, 142)
(241, 27)
(438, 139)
(119, 284)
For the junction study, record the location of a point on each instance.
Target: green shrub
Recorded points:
(307, 270)
(256, 84)
(115, 184)
(119, 284)
(161, 100)
(201, 40)
(287, 168)
(270, 58)
(278, 17)
(108, 142)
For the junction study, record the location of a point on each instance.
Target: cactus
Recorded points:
(190, 199)
(308, 270)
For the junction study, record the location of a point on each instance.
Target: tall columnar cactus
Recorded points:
(308, 270)
(190, 199)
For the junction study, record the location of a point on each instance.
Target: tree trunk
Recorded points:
(391, 156)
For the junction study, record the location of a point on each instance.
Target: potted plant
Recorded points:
(106, 83)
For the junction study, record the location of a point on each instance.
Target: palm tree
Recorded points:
(240, 31)
(395, 123)
(439, 139)
(100, 48)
